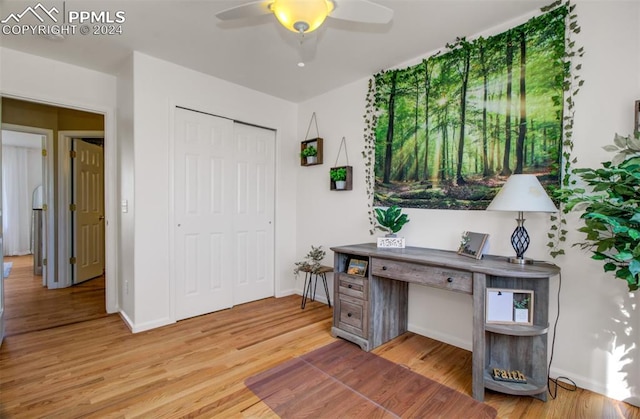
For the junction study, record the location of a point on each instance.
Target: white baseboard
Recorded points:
(442, 337)
(137, 328)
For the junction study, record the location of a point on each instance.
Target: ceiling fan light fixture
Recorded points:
(302, 16)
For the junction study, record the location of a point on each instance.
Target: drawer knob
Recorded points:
(449, 279)
(348, 314)
(384, 268)
(350, 286)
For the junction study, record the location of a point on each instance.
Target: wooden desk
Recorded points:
(372, 310)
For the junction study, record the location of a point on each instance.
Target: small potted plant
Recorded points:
(312, 262)
(391, 220)
(521, 310)
(310, 153)
(339, 176)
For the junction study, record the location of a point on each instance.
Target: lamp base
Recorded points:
(520, 261)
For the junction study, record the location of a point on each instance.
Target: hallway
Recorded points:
(30, 307)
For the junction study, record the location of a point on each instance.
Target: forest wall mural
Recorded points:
(450, 130)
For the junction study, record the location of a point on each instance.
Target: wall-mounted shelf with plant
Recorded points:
(311, 152)
(341, 178)
(311, 149)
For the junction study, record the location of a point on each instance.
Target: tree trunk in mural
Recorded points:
(427, 87)
(389, 147)
(463, 110)
(485, 96)
(416, 172)
(506, 171)
(522, 132)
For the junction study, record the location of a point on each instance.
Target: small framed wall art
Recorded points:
(509, 306)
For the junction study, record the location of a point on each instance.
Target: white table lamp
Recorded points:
(522, 193)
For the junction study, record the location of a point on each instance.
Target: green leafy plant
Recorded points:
(391, 219)
(521, 304)
(338, 174)
(311, 262)
(309, 151)
(610, 210)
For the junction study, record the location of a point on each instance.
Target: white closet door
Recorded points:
(204, 185)
(254, 212)
(223, 197)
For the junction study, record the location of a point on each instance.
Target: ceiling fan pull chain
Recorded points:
(342, 143)
(313, 118)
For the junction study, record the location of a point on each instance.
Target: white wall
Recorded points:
(598, 331)
(29, 77)
(159, 86)
(126, 254)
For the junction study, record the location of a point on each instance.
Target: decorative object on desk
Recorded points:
(311, 262)
(391, 220)
(472, 244)
(341, 176)
(391, 242)
(503, 305)
(521, 310)
(514, 376)
(610, 211)
(522, 193)
(311, 149)
(357, 267)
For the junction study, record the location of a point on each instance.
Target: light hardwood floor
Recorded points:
(197, 367)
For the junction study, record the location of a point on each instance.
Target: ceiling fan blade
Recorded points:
(361, 11)
(256, 8)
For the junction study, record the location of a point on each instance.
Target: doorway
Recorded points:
(26, 193)
(54, 119)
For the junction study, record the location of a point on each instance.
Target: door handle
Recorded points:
(101, 218)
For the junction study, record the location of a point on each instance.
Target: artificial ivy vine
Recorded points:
(571, 86)
(370, 121)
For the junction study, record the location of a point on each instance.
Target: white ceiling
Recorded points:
(257, 52)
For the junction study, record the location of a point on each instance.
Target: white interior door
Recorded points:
(88, 225)
(1, 250)
(203, 204)
(223, 196)
(254, 212)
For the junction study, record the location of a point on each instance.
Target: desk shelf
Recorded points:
(516, 330)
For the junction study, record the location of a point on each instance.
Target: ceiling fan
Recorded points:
(304, 16)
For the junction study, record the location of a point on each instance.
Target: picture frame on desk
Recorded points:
(357, 267)
(509, 306)
(473, 244)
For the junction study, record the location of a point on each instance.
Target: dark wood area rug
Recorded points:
(341, 380)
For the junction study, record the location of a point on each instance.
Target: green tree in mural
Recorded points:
(522, 130)
(389, 144)
(506, 171)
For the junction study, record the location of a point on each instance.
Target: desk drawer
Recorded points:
(353, 287)
(433, 276)
(352, 315)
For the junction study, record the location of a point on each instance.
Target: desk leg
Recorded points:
(479, 345)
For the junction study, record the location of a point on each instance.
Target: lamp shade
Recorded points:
(301, 16)
(522, 193)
